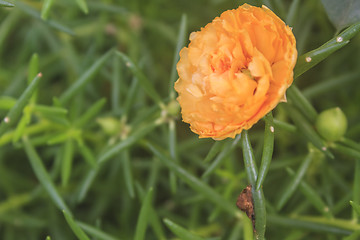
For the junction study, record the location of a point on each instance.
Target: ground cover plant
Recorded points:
(92, 145)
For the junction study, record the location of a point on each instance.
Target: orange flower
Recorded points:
(234, 71)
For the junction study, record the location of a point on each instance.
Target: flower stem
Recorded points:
(267, 150)
(258, 196)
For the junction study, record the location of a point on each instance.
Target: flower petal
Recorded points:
(234, 71)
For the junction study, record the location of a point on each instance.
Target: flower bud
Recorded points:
(109, 125)
(173, 108)
(331, 124)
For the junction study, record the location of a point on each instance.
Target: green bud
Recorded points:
(331, 124)
(173, 108)
(109, 125)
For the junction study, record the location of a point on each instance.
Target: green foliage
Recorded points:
(94, 147)
(80, 234)
(343, 13)
(82, 5)
(6, 4)
(45, 10)
(14, 113)
(181, 232)
(144, 216)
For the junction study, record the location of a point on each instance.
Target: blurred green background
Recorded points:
(101, 136)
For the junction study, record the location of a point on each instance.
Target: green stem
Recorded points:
(315, 224)
(14, 114)
(295, 181)
(356, 189)
(299, 100)
(249, 159)
(267, 150)
(179, 45)
(257, 194)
